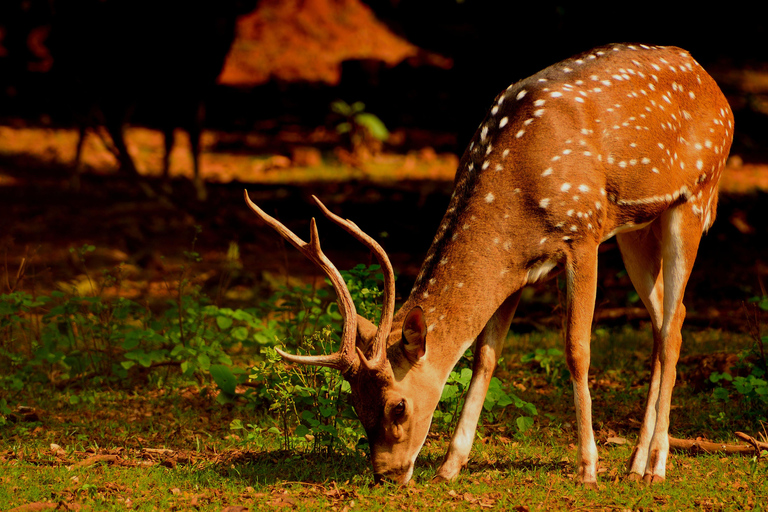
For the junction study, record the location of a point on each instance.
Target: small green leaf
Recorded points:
(224, 378)
(341, 107)
(717, 377)
(204, 361)
(344, 127)
(503, 400)
(449, 391)
(301, 431)
(240, 333)
(223, 322)
(524, 423)
(720, 393)
(373, 124)
(465, 377)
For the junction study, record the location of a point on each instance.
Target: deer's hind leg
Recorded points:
(661, 260)
(641, 251)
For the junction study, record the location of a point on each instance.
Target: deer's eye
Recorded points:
(399, 410)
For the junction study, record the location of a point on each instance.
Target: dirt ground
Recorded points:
(399, 199)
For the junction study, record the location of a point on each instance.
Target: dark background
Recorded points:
(156, 49)
(159, 60)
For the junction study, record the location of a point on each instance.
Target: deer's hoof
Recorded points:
(652, 479)
(445, 475)
(439, 479)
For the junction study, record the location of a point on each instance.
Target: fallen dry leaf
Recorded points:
(34, 507)
(90, 461)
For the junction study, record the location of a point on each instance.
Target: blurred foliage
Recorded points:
(747, 383)
(362, 130)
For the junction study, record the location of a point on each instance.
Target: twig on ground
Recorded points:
(759, 445)
(699, 446)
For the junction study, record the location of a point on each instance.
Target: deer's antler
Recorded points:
(347, 356)
(377, 353)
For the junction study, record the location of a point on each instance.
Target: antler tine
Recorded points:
(379, 346)
(346, 357)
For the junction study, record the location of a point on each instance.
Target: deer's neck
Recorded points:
(476, 261)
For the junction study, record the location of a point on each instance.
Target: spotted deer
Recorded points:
(623, 140)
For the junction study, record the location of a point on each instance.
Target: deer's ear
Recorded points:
(415, 334)
(366, 331)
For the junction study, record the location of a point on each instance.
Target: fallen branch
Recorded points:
(759, 445)
(158, 451)
(699, 446)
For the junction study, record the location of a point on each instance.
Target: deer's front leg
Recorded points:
(487, 352)
(581, 276)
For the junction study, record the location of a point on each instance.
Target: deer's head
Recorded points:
(394, 391)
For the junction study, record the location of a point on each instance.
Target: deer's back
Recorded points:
(621, 132)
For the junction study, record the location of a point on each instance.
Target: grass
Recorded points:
(160, 447)
(523, 477)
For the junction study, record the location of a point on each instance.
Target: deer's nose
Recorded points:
(397, 477)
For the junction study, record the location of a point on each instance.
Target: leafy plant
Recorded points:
(68, 336)
(311, 403)
(552, 361)
(83, 335)
(496, 399)
(750, 385)
(361, 128)
(362, 282)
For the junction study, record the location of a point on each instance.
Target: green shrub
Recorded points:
(83, 336)
(312, 403)
(749, 387)
(496, 399)
(552, 362)
(357, 125)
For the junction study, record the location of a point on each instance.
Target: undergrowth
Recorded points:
(746, 385)
(83, 336)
